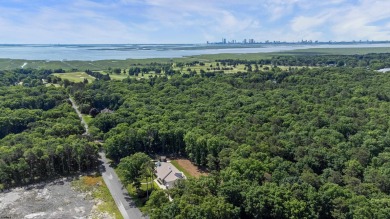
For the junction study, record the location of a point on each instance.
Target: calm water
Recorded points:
(102, 52)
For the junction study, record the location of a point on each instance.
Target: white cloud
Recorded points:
(349, 22)
(57, 25)
(175, 21)
(302, 23)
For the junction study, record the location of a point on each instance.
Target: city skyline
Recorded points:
(253, 41)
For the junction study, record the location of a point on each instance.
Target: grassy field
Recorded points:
(120, 76)
(99, 190)
(75, 76)
(338, 51)
(208, 67)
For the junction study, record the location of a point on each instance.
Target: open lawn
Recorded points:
(75, 76)
(122, 76)
(207, 67)
(118, 77)
(338, 51)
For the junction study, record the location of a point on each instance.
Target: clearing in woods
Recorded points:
(75, 76)
(187, 167)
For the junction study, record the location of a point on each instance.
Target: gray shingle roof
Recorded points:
(168, 172)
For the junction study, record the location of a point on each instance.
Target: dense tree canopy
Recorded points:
(40, 133)
(294, 143)
(279, 142)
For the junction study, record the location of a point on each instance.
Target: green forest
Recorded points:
(40, 133)
(308, 142)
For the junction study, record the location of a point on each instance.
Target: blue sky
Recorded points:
(191, 21)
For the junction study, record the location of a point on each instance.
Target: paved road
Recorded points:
(119, 193)
(122, 199)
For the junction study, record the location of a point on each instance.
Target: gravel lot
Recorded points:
(56, 199)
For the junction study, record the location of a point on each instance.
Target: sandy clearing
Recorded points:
(53, 200)
(191, 168)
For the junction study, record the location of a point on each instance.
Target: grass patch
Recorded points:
(51, 84)
(139, 197)
(87, 118)
(98, 189)
(338, 51)
(114, 76)
(180, 168)
(75, 76)
(118, 77)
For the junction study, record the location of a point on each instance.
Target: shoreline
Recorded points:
(104, 64)
(93, 53)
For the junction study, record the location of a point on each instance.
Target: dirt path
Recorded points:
(76, 108)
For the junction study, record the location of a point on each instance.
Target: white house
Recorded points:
(167, 174)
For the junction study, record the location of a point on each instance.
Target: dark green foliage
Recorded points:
(297, 143)
(99, 76)
(133, 167)
(374, 61)
(40, 134)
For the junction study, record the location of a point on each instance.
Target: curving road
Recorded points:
(118, 192)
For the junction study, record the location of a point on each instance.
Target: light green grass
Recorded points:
(50, 84)
(118, 77)
(338, 51)
(75, 76)
(79, 76)
(114, 76)
(87, 118)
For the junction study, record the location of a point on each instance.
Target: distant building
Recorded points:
(106, 110)
(163, 159)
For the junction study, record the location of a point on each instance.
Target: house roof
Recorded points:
(168, 172)
(106, 110)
